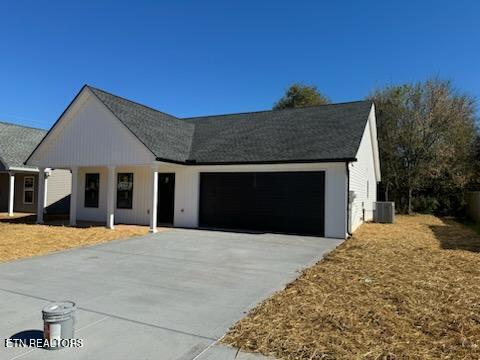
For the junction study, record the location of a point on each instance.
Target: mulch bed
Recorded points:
(405, 291)
(20, 237)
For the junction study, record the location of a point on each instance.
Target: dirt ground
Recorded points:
(20, 237)
(410, 290)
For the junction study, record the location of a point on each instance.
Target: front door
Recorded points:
(166, 198)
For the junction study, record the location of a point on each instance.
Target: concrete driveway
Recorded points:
(169, 295)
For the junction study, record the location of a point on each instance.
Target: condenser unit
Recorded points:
(384, 212)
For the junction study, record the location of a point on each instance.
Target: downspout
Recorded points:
(349, 232)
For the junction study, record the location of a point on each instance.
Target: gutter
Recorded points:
(265, 162)
(25, 169)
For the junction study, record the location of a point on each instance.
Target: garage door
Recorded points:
(291, 202)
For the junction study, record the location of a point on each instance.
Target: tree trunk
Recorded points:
(409, 209)
(386, 193)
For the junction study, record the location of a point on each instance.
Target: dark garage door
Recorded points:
(291, 202)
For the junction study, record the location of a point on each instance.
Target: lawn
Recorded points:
(405, 291)
(20, 237)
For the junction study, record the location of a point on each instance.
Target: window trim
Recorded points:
(117, 197)
(32, 190)
(85, 192)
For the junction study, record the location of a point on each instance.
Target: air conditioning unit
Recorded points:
(384, 212)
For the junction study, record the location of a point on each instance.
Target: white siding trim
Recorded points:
(372, 121)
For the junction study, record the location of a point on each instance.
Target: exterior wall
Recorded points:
(18, 205)
(362, 176)
(187, 193)
(187, 186)
(3, 192)
(92, 214)
(90, 135)
(142, 196)
(59, 186)
(140, 212)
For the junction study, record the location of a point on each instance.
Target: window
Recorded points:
(124, 190)
(28, 189)
(368, 189)
(92, 184)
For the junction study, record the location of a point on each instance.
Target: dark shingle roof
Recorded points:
(318, 133)
(16, 144)
(327, 132)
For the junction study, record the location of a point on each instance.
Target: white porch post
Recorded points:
(41, 195)
(73, 197)
(153, 210)
(45, 192)
(111, 197)
(11, 192)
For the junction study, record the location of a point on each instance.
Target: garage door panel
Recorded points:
(274, 201)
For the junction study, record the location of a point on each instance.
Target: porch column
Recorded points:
(154, 200)
(73, 197)
(48, 172)
(111, 197)
(11, 192)
(41, 195)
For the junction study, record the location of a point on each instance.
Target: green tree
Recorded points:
(426, 134)
(299, 95)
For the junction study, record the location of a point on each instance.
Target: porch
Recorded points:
(18, 191)
(127, 194)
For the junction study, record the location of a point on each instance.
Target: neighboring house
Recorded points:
(283, 170)
(19, 183)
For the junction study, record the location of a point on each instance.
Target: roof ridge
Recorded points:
(21, 126)
(274, 110)
(132, 101)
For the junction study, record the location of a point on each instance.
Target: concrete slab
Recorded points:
(218, 352)
(173, 293)
(223, 352)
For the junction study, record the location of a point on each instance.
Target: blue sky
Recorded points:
(208, 57)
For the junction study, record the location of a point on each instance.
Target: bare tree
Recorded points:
(426, 135)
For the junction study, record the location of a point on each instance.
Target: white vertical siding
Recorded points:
(139, 214)
(59, 186)
(88, 213)
(362, 176)
(90, 135)
(142, 192)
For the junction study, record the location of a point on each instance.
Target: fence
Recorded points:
(473, 205)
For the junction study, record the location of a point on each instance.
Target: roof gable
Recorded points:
(164, 135)
(89, 134)
(17, 142)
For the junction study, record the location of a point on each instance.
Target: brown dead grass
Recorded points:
(20, 237)
(405, 291)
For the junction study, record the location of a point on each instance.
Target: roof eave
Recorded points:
(259, 162)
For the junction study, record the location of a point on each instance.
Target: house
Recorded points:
(310, 170)
(19, 183)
